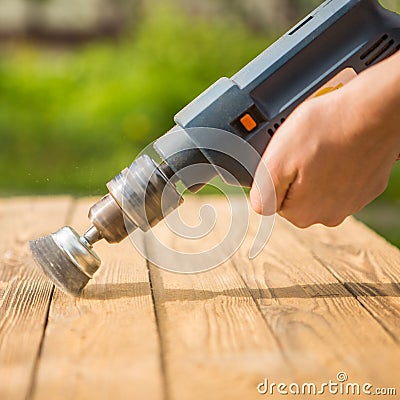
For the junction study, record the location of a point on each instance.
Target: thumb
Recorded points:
(272, 179)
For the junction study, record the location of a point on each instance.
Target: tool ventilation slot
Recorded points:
(277, 125)
(384, 47)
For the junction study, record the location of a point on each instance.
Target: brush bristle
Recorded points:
(57, 266)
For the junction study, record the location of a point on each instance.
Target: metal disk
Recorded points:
(65, 260)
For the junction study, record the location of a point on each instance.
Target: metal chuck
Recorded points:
(139, 197)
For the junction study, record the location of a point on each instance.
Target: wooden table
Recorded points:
(314, 303)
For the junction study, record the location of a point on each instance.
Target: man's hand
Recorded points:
(335, 153)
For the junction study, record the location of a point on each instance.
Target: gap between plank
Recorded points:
(165, 391)
(35, 369)
(351, 291)
(348, 288)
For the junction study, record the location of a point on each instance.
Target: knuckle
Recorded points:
(381, 187)
(302, 224)
(333, 223)
(306, 112)
(296, 219)
(303, 221)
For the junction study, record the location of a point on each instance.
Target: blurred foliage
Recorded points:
(70, 120)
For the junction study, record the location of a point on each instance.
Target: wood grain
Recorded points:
(103, 345)
(215, 341)
(322, 327)
(315, 302)
(24, 292)
(366, 263)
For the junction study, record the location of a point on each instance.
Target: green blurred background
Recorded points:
(85, 85)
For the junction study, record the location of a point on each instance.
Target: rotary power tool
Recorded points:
(339, 37)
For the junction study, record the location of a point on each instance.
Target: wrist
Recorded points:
(370, 104)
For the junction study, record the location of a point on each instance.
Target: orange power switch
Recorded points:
(248, 122)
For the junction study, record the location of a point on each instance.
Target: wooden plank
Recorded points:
(24, 292)
(289, 315)
(215, 341)
(104, 344)
(367, 264)
(321, 326)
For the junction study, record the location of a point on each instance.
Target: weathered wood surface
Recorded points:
(105, 344)
(25, 293)
(314, 303)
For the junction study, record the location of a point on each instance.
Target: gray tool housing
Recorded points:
(337, 35)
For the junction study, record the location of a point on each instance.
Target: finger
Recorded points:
(272, 181)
